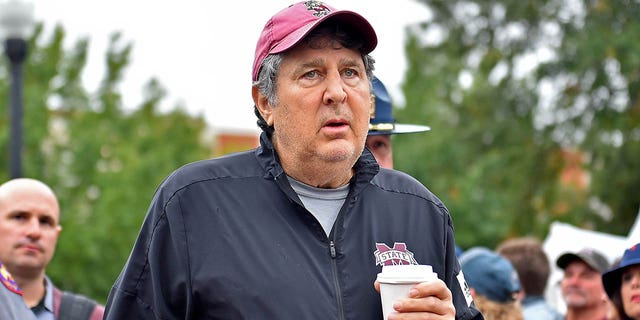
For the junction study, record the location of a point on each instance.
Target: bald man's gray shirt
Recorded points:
(12, 306)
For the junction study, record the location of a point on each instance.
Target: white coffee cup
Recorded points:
(397, 280)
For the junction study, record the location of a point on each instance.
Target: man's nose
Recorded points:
(572, 279)
(34, 230)
(335, 90)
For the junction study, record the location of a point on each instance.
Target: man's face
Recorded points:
(380, 146)
(322, 114)
(582, 286)
(29, 229)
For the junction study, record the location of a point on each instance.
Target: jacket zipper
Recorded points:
(336, 283)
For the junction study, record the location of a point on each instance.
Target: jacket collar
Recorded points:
(365, 167)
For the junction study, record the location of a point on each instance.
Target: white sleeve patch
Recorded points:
(465, 288)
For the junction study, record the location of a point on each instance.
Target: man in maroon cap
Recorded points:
(581, 285)
(299, 227)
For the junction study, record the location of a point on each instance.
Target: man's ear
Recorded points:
(263, 105)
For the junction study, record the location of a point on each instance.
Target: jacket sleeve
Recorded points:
(154, 281)
(462, 300)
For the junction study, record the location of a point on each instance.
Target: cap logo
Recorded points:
(397, 255)
(319, 9)
(381, 126)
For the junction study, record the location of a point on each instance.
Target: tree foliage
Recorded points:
(102, 158)
(535, 114)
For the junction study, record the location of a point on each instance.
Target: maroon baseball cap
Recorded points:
(287, 27)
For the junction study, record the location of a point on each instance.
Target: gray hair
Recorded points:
(268, 74)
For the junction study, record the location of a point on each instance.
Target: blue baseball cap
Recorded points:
(612, 279)
(382, 120)
(490, 274)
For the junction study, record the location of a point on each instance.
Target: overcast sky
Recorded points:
(202, 50)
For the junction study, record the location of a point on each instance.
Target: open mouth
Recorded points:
(335, 123)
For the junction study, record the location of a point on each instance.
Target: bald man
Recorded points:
(29, 230)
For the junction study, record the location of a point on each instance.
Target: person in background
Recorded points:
(382, 125)
(532, 264)
(12, 305)
(613, 313)
(29, 230)
(622, 284)
(493, 282)
(581, 284)
(299, 227)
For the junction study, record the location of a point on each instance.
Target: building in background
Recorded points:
(230, 140)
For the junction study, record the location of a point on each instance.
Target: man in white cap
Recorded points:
(581, 285)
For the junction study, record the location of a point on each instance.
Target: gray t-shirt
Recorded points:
(324, 204)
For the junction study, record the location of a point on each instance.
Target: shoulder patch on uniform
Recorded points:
(7, 280)
(465, 288)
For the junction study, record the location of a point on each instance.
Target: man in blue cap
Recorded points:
(382, 125)
(493, 282)
(581, 285)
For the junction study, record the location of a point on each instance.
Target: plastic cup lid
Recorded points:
(406, 273)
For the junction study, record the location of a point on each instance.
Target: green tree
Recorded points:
(518, 93)
(103, 159)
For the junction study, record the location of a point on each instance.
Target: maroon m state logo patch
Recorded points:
(399, 254)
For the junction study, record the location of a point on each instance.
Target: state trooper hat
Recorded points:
(381, 119)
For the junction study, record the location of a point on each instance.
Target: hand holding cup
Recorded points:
(396, 282)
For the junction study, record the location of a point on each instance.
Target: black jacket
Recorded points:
(228, 238)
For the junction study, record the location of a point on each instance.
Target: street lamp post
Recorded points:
(16, 19)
